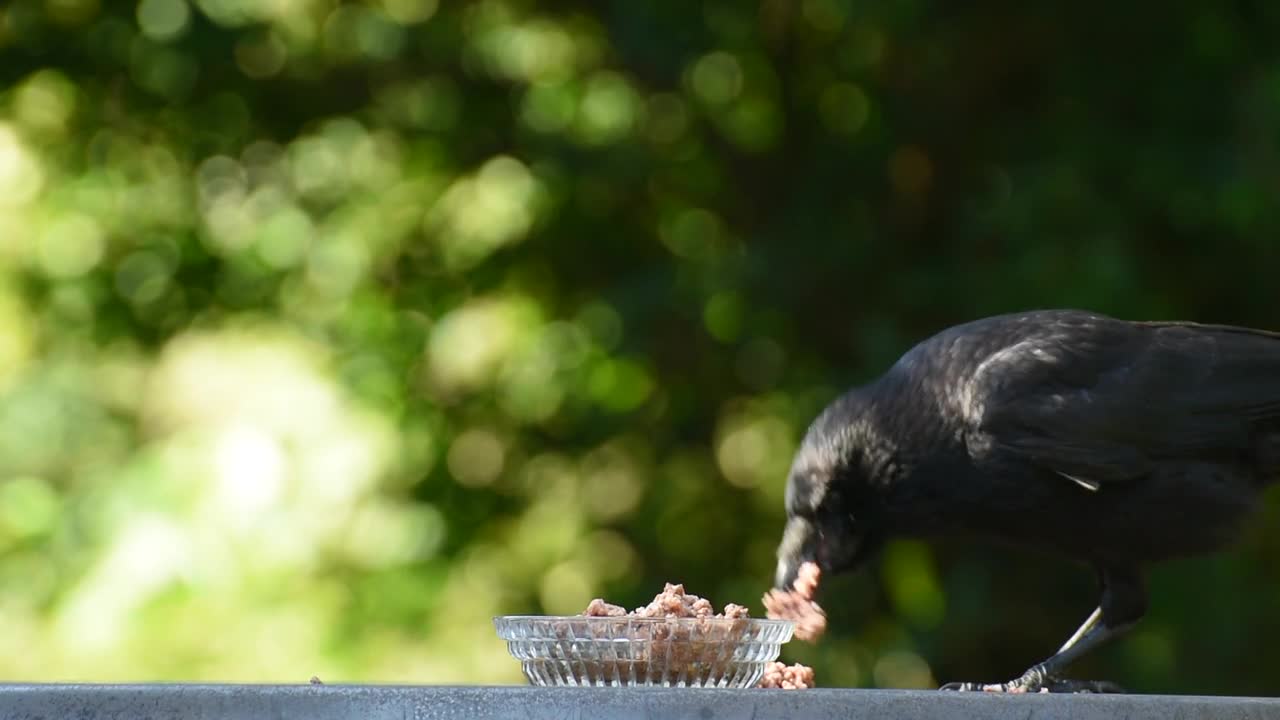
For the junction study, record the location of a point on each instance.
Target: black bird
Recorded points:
(1115, 443)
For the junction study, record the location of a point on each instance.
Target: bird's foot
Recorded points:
(1009, 687)
(1034, 680)
(1038, 680)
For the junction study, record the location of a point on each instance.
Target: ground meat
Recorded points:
(600, 608)
(674, 602)
(797, 604)
(779, 675)
(702, 608)
(694, 653)
(806, 582)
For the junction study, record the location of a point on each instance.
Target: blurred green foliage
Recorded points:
(332, 329)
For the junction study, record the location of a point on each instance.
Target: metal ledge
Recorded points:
(385, 702)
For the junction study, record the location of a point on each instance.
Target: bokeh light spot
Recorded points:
(903, 670)
(752, 449)
(468, 344)
(71, 246)
(531, 390)
(610, 555)
(844, 108)
(45, 101)
(531, 51)
(476, 457)
(620, 385)
(717, 78)
(28, 506)
(612, 486)
(410, 11)
(249, 465)
(549, 106)
(285, 238)
(566, 589)
(481, 213)
(385, 533)
(603, 322)
(692, 233)
(723, 316)
(16, 340)
(608, 109)
(21, 175)
(753, 123)
(336, 265)
(163, 20)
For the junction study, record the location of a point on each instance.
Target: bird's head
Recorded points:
(831, 520)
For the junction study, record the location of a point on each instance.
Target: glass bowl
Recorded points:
(582, 651)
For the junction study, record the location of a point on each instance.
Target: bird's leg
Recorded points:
(1090, 623)
(1123, 604)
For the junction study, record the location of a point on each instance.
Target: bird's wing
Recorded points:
(1102, 400)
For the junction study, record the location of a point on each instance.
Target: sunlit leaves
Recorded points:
(753, 445)
(740, 95)
(476, 457)
(17, 342)
(478, 214)
(21, 173)
(163, 20)
(326, 341)
(45, 102)
(70, 246)
(28, 506)
(528, 49)
(354, 33)
(469, 344)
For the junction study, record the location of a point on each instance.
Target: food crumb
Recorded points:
(781, 676)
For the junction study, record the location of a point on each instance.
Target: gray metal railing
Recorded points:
(374, 702)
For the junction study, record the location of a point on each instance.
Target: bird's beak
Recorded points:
(799, 545)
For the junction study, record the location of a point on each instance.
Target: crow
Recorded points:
(1115, 443)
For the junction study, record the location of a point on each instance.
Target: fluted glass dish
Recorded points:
(582, 651)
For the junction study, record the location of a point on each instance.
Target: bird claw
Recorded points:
(1037, 683)
(1012, 687)
(1034, 680)
(962, 687)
